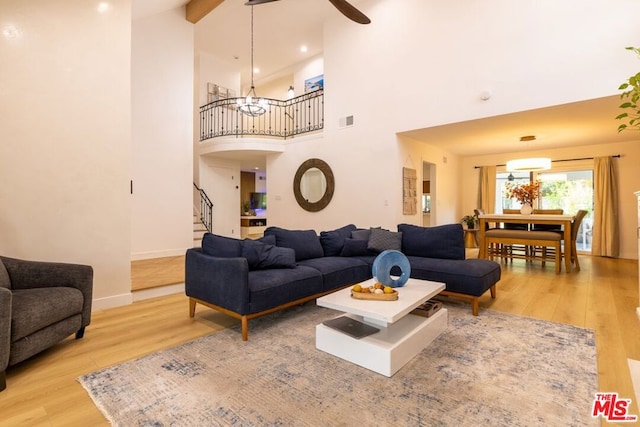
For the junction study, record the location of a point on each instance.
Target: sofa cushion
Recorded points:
(273, 287)
(305, 243)
(333, 241)
(260, 256)
(469, 276)
(382, 240)
(5, 281)
(35, 309)
(220, 246)
(269, 240)
(338, 271)
(444, 241)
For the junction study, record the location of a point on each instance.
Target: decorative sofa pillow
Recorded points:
(356, 247)
(382, 240)
(305, 243)
(261, 256)
(443, 241)
(220, 246)
(333, 241)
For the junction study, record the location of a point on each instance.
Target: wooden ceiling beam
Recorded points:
(198, 9)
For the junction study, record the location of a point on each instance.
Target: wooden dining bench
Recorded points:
(499, 239)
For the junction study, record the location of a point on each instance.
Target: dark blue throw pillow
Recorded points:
(332, 241)
(443, 241)
(220, 246)
(356, 247)
(305, 243)
(261, 256)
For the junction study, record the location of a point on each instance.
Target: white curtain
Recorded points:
(606, 234)
(487, 189)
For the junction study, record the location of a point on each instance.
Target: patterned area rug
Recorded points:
(494, 369)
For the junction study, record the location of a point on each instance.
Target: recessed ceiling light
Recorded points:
(103, 7)
(303, 48)
(256, 70)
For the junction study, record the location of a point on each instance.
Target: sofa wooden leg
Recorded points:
(245, 328)
(493, 291)
(192, 307)
(3, 380)
(474, 306)
(80, 333)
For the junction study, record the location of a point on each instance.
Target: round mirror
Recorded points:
(313, 185)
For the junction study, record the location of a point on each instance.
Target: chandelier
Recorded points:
(251, 105)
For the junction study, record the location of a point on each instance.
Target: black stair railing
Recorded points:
(283, 119)
(206, 209)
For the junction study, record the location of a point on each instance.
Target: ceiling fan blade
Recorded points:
(253, 2)
(349, 11)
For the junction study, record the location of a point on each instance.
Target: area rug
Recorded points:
(494, 369)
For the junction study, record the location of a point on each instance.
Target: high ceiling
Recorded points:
(281, 27)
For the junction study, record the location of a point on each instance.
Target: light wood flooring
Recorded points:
(43, 391)
(151, 273)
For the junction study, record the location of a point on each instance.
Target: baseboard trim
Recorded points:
(157, 254)
(112, 301)
(159, 291)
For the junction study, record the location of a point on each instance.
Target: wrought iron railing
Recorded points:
(206, 208)
(283, 119)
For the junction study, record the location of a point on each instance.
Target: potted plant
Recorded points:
(246, 208)
(526, 194)
(470, 220)
(631, 93)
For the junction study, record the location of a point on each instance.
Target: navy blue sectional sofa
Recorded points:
(250, 278)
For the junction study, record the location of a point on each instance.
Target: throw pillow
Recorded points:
(381, 240)
(362, 234)
(220, 246)
(305, 243)
(261, 256)
(356, 247)
(269, 240)
(443, 241)
(333, 241)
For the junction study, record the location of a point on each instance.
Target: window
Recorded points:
(570, 189)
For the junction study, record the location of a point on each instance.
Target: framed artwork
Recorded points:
(314, 83)
(409, 191)
(216, 92)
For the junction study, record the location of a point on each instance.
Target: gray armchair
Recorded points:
(41, 303)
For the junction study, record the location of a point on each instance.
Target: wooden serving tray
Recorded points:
(375, 297)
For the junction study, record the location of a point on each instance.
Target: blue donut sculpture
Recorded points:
(383, 264)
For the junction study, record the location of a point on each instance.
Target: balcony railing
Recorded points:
(283, 119)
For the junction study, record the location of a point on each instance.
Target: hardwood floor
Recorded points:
(603, 296)
(151, 273)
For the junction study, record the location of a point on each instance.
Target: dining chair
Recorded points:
(575, 226)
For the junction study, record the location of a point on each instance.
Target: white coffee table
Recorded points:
(402, 335)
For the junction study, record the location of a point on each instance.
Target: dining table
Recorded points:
(565, 220)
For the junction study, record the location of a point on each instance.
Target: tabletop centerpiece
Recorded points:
(526, 194)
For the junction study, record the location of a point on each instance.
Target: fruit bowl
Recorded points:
(375, 297)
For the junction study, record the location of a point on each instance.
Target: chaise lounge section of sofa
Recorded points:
(246, 279)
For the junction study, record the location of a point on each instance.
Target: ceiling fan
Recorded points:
(342, 5)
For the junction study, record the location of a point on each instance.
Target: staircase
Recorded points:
(198, 231)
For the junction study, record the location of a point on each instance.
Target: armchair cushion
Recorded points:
(5, 281)
(35, 309)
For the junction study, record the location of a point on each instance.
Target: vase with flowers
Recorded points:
(526, 194)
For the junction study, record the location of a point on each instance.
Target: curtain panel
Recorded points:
(606, 233)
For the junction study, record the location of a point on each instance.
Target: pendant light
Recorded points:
(532, 164)
(251, 105)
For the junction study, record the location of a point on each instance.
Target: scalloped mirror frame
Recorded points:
(328, 194)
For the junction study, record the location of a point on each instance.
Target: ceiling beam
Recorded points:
(198, 9)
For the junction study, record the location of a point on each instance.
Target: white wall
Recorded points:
(65, 128)
(162, 115)
(628, 182)
(430, 70)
